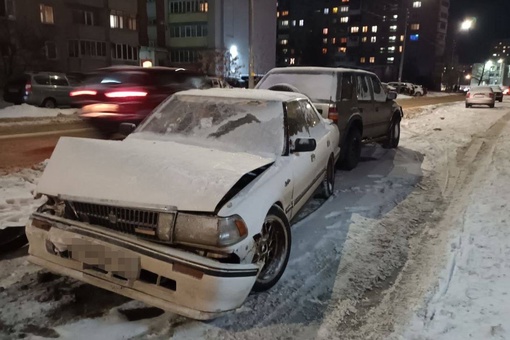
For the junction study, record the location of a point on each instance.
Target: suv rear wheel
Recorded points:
(352, 152)
(49, 103)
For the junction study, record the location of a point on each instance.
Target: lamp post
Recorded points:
(251, 67)
(402, 56)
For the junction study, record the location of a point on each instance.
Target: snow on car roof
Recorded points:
(266, 95)
(315, 69)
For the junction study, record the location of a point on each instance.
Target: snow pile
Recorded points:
(16, 196)
(25, 110)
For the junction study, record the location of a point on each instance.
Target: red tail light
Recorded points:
(468, 94)
(83, 93)
(333, 113)
(28, 87)
(126, 94)
(491, 95)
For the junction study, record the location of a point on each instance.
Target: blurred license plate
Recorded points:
(13, 90)
(106, 258)
(479, 95)
(100, 108)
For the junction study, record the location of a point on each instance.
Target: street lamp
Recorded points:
(467, 24)
(468, 76)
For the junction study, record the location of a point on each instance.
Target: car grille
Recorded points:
(125, 220)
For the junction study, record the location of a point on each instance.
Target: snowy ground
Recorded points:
(25, 110)
(355, 264)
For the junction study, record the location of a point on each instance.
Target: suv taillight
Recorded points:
(491, 95)
(28, 87)
(468, 94)
(333, 113)
(126, 94)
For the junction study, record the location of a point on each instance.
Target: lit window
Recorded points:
(400, 48)
(285, 22)
(365, 29)
(494, 55)
(301, 22)
(392, 38)
(324, 50)
(362, 60)
(325, 31)
(395, 16)
(344, 19)
(284, 42)
(372, 60)
(342, 49)
(344, 9)
(364, 39)
(343, 40)
(335, 10)
(415, 27)
(390, 60)
(393, 28)
(293, 22)
(391, 49)
(417, 4)
(285, 13)
(374, 29)
(325, 40)
(354, 29)
(373, 39)
(277, 14)
(292, 61)
(345, 0)
(333, 40)
(326, 10)
(46, 14)
(414, 37)
(401, 38)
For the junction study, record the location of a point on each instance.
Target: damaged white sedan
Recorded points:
(191, 211)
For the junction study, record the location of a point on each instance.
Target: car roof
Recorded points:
(46, 74)
(316, 69)
(267, 95)
(154, 69)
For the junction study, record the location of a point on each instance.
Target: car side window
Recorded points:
(296, 119)
(347, 87)
(42, 80)
(379, 94)
(59, 81)
(362, 88)
(311, 117)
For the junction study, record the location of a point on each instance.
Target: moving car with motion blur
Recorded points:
(480, 95)
(192, 210)
(119, 94)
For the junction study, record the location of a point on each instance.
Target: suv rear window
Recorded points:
(317, 86)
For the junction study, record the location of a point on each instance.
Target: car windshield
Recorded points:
(317, 86)
(229, 124)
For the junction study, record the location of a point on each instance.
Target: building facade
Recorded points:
(370, 34)
(69, 36)
(501, 50)
(212, 35)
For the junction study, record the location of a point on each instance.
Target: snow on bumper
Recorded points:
(158, 275)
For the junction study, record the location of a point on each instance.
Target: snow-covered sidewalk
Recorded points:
(472, 297)
(30, 111)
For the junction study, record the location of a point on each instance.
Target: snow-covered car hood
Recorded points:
(138, 172)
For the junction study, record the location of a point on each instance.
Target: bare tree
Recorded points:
(220, 63)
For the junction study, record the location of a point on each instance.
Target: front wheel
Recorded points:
(328, 185)
(272, 249)
(491, 106)
(393, 135)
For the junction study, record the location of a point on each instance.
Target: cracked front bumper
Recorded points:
(168, 278)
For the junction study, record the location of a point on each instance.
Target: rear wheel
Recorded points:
(491, 106)
(468, 106)
(352, 152)
(328, 185)
(393, 137)
(49, 103)
(273, 249)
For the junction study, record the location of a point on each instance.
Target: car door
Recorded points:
(366, 105)
(302, 163)
(60, 88)
(382, 107)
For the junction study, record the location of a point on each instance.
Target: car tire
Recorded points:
(501, 100)
(468, 106)
(393, 137)
(328, 184)
(275, 239)
(352, 152)
(12, 238)
(492, 106)
(49, 103)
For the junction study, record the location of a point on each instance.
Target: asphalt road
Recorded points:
(24, 144)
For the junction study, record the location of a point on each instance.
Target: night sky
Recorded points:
(493, 22)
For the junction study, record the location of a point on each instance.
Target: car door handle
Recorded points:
(287, 182)
(312, 156)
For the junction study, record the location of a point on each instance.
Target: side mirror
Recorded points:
(392, 95)
(126, 128)
(304, 145)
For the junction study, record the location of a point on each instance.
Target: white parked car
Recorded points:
(418, 90)
(191, 211)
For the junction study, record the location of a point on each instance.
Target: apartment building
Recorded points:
(72, 35)
(199, 33)
(501, 50)
(370, 34)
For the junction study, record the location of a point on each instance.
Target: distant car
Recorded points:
(506, 90)
(46, 89)
(464, 88)
(482, 95)
(387, 88)
(418, 90)
(498, 93)
(192, 210)
(403, 88)
(215, 82)
(119, 94)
